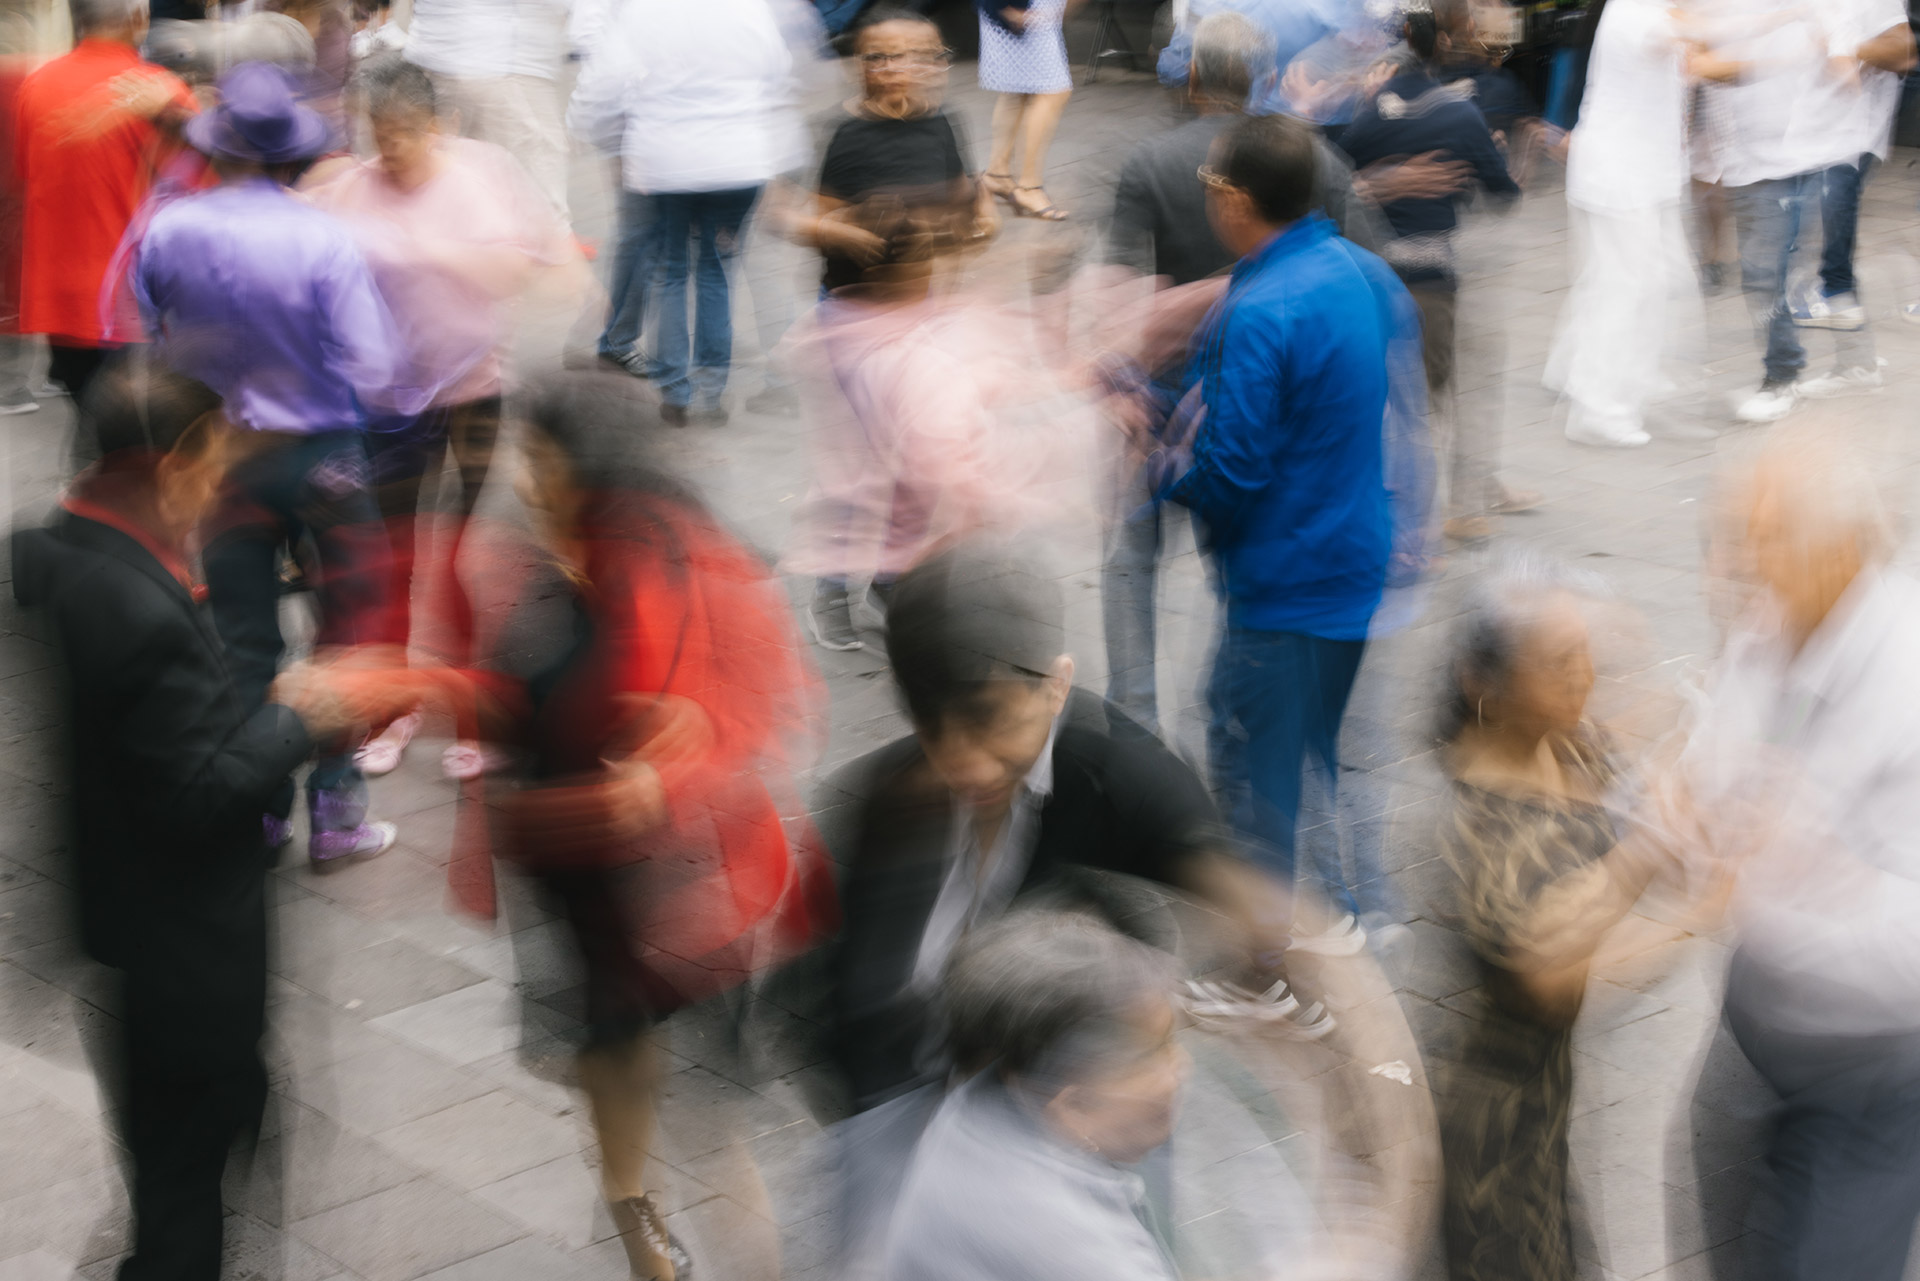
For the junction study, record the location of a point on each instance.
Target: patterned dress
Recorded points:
(1032, 62)
(1523, 868)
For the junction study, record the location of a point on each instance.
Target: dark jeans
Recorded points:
(632, 272)
(289, 489)
(696, 371)
(75, 368)
(405, 455)
(1127, 588)
(1769, 216)
(1840, 189)
(1843, 1160)
(1278, 699)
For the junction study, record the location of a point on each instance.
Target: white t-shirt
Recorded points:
(487, 39)
(1629, 150)
(1846, 115)
(1783, 67)
(695, 97)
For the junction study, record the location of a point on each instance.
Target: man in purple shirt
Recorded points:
(267, 301)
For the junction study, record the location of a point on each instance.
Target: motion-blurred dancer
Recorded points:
(701, 97)
(453, 229)
(496, 64)
(173, 760)
(1289, 472)
(895, 192)
(1416, 115)
(1023, 59)
(1804, 770)
(1013, 784)
(662, 726)
(91, 128)
(1627, 170)
(269, 302)
(1160, 228)
(1850, 112)
(1542, 867)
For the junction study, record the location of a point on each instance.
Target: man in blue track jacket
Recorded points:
(1289, 477)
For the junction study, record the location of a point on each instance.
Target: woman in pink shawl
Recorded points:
(453, 230)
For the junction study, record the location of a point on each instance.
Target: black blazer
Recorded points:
(1121, 802)
(170, 772)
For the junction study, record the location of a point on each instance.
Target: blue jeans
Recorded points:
(1127, 581)
(1277, 700)
(632, 270)
(1839, 219)
(715, 220)
(1769, 216)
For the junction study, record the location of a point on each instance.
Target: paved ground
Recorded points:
(423, 1124)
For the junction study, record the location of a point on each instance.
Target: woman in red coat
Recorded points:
(659, 732)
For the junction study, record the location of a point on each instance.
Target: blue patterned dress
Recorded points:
(1034, 62)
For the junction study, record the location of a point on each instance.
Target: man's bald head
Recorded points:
(1814, 521)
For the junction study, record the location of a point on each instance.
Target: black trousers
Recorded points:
(75, 368)
(194, 1005)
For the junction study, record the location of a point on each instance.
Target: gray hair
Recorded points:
(91, 15)
(1230, 54)
(393, 85)
(1051, 998)
(1500, 612)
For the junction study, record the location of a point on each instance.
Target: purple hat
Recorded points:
(260, 118)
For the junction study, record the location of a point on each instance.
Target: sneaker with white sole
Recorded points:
(1604, 431)
(1814, 310)
(1774, 401)
(363, 841)
(1344, 937)
(1223, 1004)
(1842, 382)
(831, 619)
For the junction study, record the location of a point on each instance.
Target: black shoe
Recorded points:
(775, 402)
(675, 415)
(881, 589)
(831, 618)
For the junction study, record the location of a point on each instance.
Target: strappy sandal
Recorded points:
(1048, 212)
(1001, 185)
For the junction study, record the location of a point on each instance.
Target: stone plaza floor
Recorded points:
(423, 1123)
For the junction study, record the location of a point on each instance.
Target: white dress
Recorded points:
(1634, 292)
(1033, 62)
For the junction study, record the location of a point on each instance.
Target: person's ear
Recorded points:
(1060, 682)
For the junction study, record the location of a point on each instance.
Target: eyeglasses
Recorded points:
(912, 58)
(1214, 179)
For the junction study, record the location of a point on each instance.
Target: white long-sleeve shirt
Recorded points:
(487, 39)
(693, 97)
(1821, 748)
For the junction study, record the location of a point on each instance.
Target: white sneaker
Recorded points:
(1770, 404)
(1604, 432)
(1227, 1006)
(1815, 310)
(1343, 938)
(1842, 382)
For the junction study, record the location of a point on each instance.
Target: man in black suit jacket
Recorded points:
(171, 772)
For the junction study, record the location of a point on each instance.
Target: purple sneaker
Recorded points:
(365, 841)
(278, 830)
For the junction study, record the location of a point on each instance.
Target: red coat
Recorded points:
(695, 666)
(82, 173)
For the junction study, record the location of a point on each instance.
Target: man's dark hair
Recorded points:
(881, 14)
(1423, 34)
(1271, 158)
(962, 625)
(135, 402)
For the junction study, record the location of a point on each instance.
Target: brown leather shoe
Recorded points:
(1468, 529)
(653, 1253)
(1514, 501)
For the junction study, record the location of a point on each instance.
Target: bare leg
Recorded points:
(1008, 108)
(1042, 119)
(621, 1081)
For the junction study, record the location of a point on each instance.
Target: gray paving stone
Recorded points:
(382, 1088)
(482, 1140)
(405, 1232)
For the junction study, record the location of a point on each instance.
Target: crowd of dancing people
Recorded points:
(285, 259)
